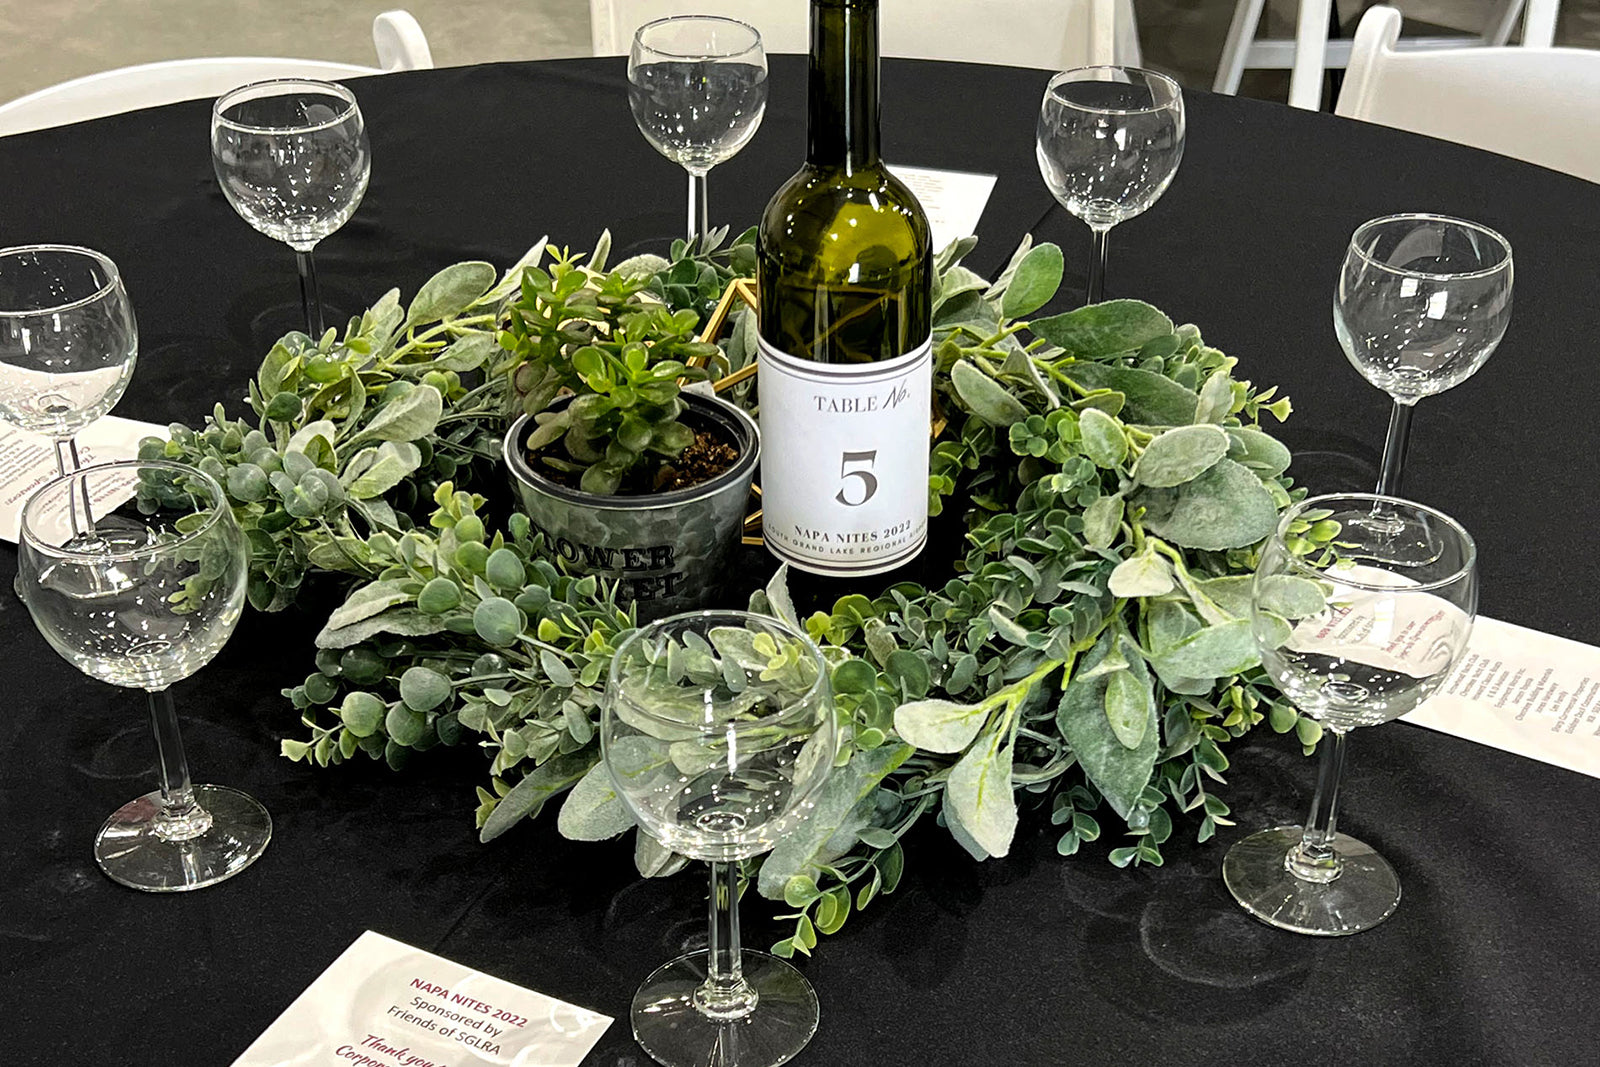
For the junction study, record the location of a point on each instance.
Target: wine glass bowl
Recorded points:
(1351, 637)
(1421, 302)
(145, 598)
(68, 341)
(1109, 141)
(292, 158)
(718, 733)
(697, 86)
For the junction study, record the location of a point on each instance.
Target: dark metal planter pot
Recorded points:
(670, 552)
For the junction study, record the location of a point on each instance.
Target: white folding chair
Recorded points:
(399, 41)
(1311, 53)
(1536, 104)
(1050, 34)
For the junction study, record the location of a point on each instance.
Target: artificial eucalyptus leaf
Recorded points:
(1035, 281)
(826, 834)
(1130, 708)
(956, 282)
(1231, 593)
(1224, 507)
(1101, 521)
(593, 811)
(979, 792)
(963, 837)
(1120, 773)
(468, 352)
(391, 463)
(1212, 652)
(1216, 398)
(1101, 330)
(652, 859)
(1258, 450)
(985, 397)
(1146, 574)
(408, 417)
(406, 622)
(1179, 455)
(1104, 440)
(369, 600)
(939, 725)
(1150, 399)
(528, 797)
(779, 600)
(451, 291)
(1289, 596)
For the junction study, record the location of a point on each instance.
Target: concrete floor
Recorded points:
(48, 41)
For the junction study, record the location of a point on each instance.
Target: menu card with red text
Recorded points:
(385, 1004)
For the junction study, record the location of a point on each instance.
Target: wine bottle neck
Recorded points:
(843, 101)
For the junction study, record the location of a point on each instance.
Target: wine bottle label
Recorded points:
(844, 460)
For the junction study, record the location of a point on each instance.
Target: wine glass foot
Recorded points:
(673, 1031)
(130, 852)
(1395, 541)
(1364, 894)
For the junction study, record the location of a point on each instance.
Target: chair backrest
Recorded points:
(400, 44)
(1534, 104)
(1050, 34)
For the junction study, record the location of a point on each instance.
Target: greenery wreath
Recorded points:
(1091, 649)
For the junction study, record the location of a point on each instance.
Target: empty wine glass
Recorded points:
(149, 601)
(718, 731)
(1421, 303)
(68, 341)
(292, 158)
(697, 85)
(1109, 143)
(1352, 638)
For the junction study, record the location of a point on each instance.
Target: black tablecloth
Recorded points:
(1493, 956)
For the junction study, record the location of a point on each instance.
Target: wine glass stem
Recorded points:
(67, 461)
(699, 208)
(1394, 449)
(1097, 265)
(181, 817)
(308, 292)
(1314, 859)
(724, 995)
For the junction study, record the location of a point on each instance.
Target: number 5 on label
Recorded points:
(863, 461)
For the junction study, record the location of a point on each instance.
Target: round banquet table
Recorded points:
(1493, 957)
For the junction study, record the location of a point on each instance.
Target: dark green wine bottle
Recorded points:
(845, 278)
